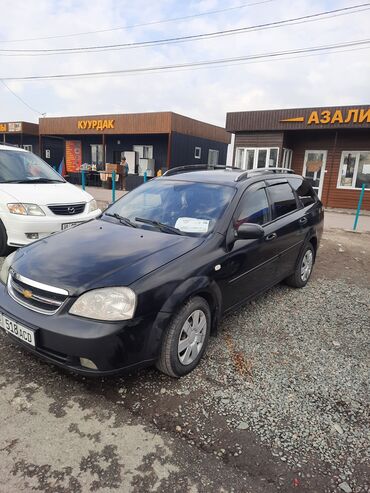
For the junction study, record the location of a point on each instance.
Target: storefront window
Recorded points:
(354, 169)
(257, 157)
(239, 157)
(273, 158)
(97, 154)
(262, 157)
(287, 158)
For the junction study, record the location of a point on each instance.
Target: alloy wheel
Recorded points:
(306, 266)
(192, 337)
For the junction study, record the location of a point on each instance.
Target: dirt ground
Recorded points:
(239, 423)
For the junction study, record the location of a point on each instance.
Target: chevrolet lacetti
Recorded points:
(148, 281)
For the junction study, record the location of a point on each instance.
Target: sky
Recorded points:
(207, 93)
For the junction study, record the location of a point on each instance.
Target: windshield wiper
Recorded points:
(166, 228)
(124, 220)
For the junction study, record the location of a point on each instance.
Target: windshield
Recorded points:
(24, 167)
(190, 207)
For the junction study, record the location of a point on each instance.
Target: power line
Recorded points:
(139, 70)
(196, 37)
(21, 99)
(134, 26)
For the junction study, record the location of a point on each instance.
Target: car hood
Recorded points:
(44, 193)
(99, 253)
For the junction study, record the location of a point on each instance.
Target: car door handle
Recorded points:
(303, 220)
(271, 237)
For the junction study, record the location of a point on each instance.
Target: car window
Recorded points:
(191, 207)
(304, 190)
(253, 208)
(25, 167)
(282, 198)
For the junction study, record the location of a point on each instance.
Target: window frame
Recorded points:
(355, 171)
(255, 156)
(254, 187)
(196, 149)
(298, 203)
(287, 156)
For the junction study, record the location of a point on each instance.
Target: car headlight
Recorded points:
(93, 205)
(5, 268)
(25, 209)
(117, 303)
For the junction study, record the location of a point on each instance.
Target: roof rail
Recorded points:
(184, 169)
(251, 172)
(196, 167)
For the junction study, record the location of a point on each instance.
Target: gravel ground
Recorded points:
(302, 379)
(281, 398)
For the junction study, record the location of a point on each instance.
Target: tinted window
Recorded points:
(254, 208)
(283, 199)
(304, 191)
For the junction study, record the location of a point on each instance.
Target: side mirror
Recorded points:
(249, 231)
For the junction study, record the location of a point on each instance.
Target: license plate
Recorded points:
(19, 331)
(70, 225)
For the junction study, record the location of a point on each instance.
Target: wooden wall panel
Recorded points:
(188, 126)
(136, 123)
(346, 141)
(271, 119)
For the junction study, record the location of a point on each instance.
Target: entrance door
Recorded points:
(314, 169)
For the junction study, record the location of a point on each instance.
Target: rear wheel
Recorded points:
(4, 248)
(186, 338)
(303, 269)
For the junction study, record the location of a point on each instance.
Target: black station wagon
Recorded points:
(148, 281)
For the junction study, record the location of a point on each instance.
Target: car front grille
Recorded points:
(38, 297)
(67, 209)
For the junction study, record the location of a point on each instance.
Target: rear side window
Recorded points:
(283, 199)
(253, 208)
(305, 192)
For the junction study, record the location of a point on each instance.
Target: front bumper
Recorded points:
(62, 339)
(17, 226)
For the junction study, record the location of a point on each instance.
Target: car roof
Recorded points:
(227, 176)
(4, 147)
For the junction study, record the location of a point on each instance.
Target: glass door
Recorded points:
(314, 169)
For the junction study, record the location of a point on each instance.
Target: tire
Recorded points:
(177, 361)
(4, 248)
(302, 274)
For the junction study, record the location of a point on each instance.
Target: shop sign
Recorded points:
(73, 156)
(3, 127)
(333, 117)
(95, 124)
(15, 127)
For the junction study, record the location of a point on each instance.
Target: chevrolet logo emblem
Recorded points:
(27, 293)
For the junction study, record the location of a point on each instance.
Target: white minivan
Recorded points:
(35, 201)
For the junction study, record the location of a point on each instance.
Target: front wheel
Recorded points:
(186, 338)
(303, 269)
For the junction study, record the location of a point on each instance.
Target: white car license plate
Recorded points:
(70, 225)
(19, 331)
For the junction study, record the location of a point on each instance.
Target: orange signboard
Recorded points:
(73, 156)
